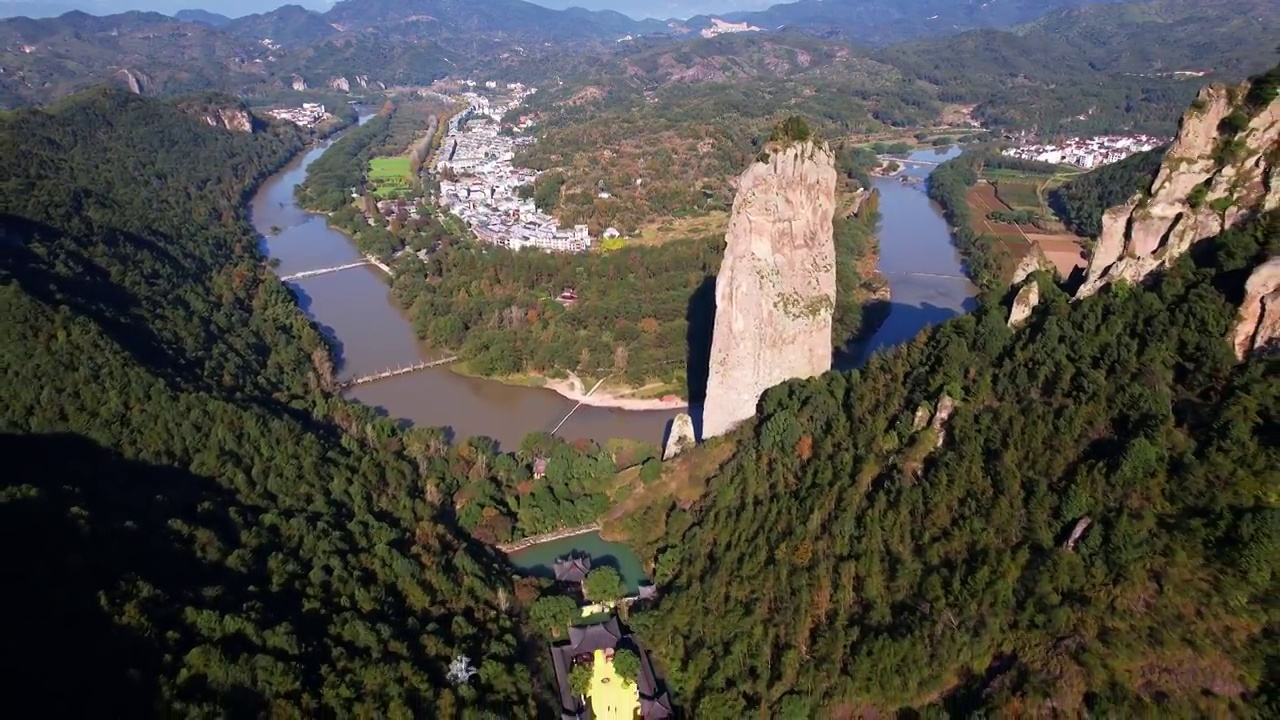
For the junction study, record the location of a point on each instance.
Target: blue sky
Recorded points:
(636, 8)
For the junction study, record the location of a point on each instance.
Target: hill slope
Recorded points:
(196, 526)
(882, 22)
(1075, 517)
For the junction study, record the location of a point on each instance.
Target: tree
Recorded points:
(580, 679)
(627, 664)
(603, 584)
(552, 613)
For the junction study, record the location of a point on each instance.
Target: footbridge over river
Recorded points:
(338, 268)
(910, 161)
(392, 372)
(940, 276)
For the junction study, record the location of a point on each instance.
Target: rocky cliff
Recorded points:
(1258, 330)
(1221, 166)
(777, 283)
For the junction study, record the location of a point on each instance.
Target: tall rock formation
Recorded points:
(1258, 330)
(1222, 166)
(777, 283)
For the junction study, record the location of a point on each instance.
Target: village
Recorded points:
(1087, 153)
(309, 115)
(480, 184)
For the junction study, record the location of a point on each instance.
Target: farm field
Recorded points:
(1019, 195)
(1063, 249)
(389, 176)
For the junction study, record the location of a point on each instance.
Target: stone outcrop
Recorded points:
(1257, 332)
(946, 406)
(237, 119)
(1023, 303)
(137, 83)
(777, 283)
(340, 84)
(230, 116)
(680, 438)
(1211, 177)
(298, 83)
(1033, 261)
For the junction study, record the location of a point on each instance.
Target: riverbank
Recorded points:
(548, 537)
(572, 388)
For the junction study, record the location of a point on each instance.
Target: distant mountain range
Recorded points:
(412, 42)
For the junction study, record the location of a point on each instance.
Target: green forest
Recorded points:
(193, 526)
(1080, 202)
(857, 560)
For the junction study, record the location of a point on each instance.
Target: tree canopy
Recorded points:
(196, 525)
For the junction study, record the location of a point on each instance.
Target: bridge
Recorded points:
(389, 373)
(942, 276)
(909, 161)
(368, 260)
(323, 271)
(575, 407)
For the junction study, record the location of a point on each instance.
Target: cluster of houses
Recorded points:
(480, 184)
(1088, 153)
(309, 115)
(593, 646)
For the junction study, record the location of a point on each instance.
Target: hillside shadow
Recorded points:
(84, 527)
(901, 325)
(701, 318)
(65, 275)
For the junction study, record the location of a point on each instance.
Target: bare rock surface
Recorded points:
(1209, 180)
(681, 436)
(1023, 303)
(777, 283)
(1257, 332)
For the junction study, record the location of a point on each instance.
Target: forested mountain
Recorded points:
(192, 525)
(1075, 517)
(1096, 69)
(516, 20)
(288, 25)
(47, 59)
(855, 567)
(204, 17)
(882, 22)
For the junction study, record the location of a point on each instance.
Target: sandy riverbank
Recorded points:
(571, 388)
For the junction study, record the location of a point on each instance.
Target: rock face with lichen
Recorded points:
(1221, 167)
(777, 283)
(1257, 332)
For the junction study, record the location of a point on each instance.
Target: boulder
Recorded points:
(1023, 303)
(946, 406)
(1257, 332)
(776, 287)
(680, 438)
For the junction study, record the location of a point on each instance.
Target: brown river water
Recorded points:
(355, 307)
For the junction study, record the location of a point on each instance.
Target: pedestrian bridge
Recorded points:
(392, 372)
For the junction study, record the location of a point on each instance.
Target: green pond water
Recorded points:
(539, 560)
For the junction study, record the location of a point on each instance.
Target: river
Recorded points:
(355, 308)
(926, 276)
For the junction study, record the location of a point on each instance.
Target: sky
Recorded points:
(234, 8)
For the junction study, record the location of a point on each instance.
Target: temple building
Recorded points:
(594, 645)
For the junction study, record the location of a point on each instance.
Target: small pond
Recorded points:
(539, 560)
